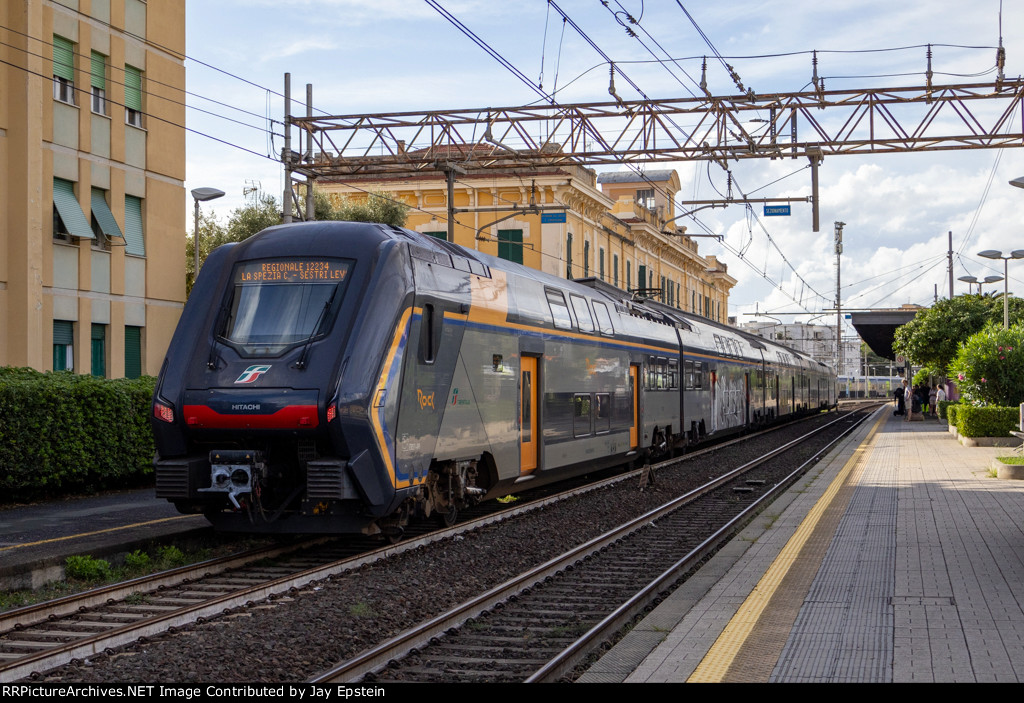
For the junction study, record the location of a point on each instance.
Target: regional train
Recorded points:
(342, 377)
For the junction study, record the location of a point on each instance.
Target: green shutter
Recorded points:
(63, 58)
(103, 214)
(510, 245)
(443, 234)
(135, 243)
(641, 276)
(586, 259)
(99, 71)
(132, 88)
(69, 210)
(568, 256)
(63, 338)
(99, 350)
(132, 352)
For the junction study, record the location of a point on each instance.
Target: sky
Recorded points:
(373, 56)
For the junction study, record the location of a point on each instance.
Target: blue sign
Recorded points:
(552, 218)
(776, 210)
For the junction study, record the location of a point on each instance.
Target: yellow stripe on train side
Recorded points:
(381, 394)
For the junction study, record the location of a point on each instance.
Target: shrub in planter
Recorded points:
(989, 367)
(989, 421)
(944, 406)
(952, 411)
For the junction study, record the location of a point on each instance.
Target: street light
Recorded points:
(201, 195)
(1015, 254)
(974, 279)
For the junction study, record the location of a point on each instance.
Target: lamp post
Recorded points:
(975, 279)
(1015, 254)
(201, 195)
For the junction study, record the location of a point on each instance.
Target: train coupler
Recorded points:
(235, 472)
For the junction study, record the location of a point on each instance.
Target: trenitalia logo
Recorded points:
(252, 373)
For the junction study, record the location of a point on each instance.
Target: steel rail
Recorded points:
(375, 658)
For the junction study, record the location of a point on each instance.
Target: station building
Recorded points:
(567, 221)
(92, 197)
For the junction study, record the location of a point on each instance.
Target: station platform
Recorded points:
(35, 540)
(899, 558)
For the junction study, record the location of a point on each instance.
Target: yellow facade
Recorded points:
(571, 226)
(92, 202)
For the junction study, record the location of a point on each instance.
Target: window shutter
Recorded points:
(99, 71)
(132, 88)
(70, 211)
(132, 352)
(135, 242)
(63, 58)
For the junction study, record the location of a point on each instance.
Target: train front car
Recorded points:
(269, 414)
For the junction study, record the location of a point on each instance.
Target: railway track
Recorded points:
(538, 626)
(38, 638)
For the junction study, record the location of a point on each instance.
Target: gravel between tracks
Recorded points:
(297, 636)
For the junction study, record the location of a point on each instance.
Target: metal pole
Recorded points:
(310, 209)
(949, 255)
(286, 152)
(1006, 293)
(450, 177)
(195, 242)
(839, 313)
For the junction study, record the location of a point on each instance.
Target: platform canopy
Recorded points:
(878, 327)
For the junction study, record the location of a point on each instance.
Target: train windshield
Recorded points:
(280, 303)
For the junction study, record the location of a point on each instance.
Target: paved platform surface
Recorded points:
(35, 540)
(898, 559)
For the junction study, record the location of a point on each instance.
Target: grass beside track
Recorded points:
(85, 572)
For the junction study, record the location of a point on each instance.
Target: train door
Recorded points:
(528, 389)
(634, 394)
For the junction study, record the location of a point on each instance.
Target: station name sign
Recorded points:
(776, 210)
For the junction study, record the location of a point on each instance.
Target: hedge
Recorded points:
(62, 433)
(943, 405)
(989, 421)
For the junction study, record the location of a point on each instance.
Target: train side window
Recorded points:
(688, 374)
(430, 337)
(603, 417)
(604, 320)
(559, 310)
(673, 374)
(582, 410)
(698, 375)
(583, 317)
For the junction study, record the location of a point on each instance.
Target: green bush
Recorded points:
(944, 406)
(86, 568)
(989, 421)
(952, 413)
(137, 560)
(61, 433)
(989, 367)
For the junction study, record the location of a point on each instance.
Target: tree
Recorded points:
(370, 207)
(935, 334)
(264, 211)
(989, 367)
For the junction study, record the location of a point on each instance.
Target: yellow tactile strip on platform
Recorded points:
(750, 644)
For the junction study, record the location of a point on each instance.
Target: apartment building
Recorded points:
(92, 199)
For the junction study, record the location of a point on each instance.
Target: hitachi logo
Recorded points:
(245, 406)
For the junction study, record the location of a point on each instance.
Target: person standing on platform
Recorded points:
(932, 396)
(900, 400)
